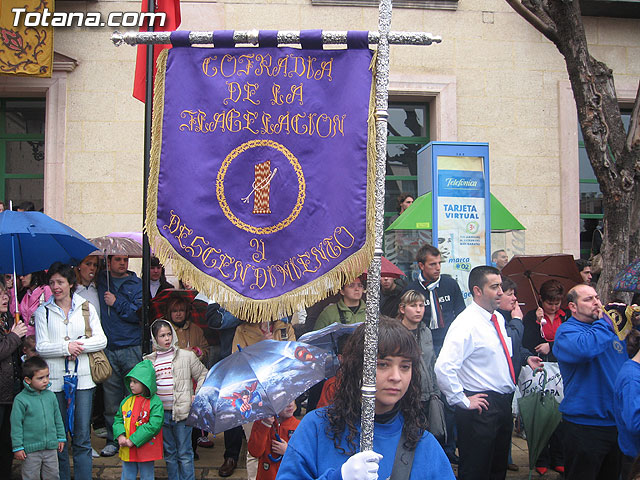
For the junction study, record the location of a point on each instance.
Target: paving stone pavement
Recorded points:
(211, 458)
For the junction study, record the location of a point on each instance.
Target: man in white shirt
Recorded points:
(475, 372)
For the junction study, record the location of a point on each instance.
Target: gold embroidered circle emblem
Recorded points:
(222, 200)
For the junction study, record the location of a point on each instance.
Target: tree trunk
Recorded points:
(615, 251)
(614, 157)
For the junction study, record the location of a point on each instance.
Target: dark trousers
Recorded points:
(627, 465)
(590, 452)
(484, 438)
(449, 446)
(97, 416)
(233, 442)
(6, 453)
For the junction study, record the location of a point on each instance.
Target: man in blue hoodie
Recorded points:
(590, 355)
(120, 297)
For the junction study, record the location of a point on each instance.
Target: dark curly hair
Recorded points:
(344, 414)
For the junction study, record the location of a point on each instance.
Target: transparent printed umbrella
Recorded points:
(255, 382)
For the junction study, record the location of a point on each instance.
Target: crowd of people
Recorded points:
(446, 376)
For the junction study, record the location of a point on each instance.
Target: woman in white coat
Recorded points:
(61, 340)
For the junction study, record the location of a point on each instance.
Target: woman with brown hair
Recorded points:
(326, 442)
(190, 336)
(540, 325)
(11, 335)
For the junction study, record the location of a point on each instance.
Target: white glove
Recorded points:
(361, 466)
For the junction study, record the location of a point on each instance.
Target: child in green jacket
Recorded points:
(37, 430)
(138, 423)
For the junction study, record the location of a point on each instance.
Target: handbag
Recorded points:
(596, 264)
(98, 361)
(435, 416)
(596, 258)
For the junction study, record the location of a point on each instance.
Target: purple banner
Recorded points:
(260, 179)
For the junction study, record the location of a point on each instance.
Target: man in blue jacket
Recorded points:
(590, 355)
(120, 299)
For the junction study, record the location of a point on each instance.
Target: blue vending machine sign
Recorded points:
(458, 176)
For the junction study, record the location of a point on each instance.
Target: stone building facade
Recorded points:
(493, 79)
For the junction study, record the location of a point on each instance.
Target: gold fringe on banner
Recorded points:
(246, 308)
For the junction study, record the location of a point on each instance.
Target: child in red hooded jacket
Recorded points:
(269, 440)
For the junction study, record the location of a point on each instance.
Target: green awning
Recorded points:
(418, 216)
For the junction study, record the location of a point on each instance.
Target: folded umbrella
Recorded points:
(540, 417)
(70, 386)
(254, 383)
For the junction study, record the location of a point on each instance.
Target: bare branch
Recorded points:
(545, 29)
(633, 135)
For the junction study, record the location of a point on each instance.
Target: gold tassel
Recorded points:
(243, 307)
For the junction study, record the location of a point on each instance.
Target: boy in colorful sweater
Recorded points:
(268, 441)
(138, 424)
(37, 430)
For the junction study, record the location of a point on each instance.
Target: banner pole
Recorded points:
(146, 250)
(285, 37)
(373, 274)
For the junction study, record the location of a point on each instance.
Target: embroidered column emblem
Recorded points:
(262, 177)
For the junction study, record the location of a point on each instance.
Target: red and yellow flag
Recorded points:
(25, 50)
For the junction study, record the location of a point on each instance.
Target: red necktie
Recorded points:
(494, 320)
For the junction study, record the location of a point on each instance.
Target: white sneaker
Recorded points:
(100, 432)
(94, 454)
(109, 450)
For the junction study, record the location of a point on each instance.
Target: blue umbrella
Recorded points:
(32, 241)
(256, 382)
(37, 241)
(327, 339)
(70, 386)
